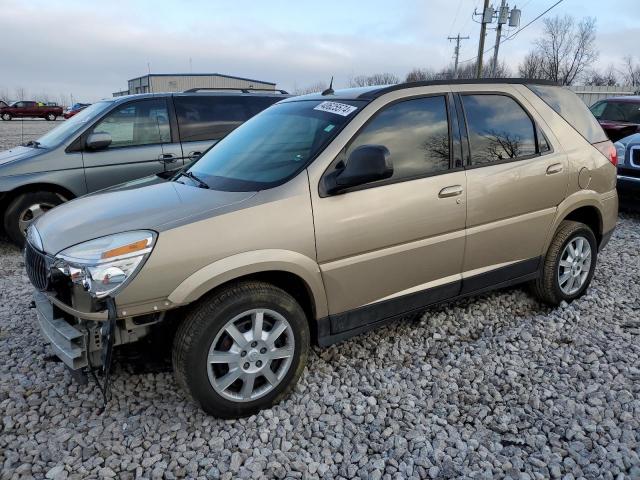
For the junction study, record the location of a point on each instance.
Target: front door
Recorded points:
(515, 180)
(138, 131)
(393, 246)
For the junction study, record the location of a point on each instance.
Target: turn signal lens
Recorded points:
(126, 249)
(608, 150)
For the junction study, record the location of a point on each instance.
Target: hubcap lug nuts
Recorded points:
(259, 363)
(246, 365)
(253, 344)
(243, 354)
(263, 350)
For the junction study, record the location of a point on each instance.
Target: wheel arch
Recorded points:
(584, 207)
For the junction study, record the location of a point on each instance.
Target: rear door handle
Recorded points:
(554, 168)
(167, 157)
(452, 191)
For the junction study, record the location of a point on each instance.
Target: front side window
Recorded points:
(145, 122)
(416, 133)
(499, 129)
(209, 117)
(617, 111)
(274, 145)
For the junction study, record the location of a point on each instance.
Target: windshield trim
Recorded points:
(259, 186)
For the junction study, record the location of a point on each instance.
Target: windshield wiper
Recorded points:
(193, 177)
(32, 143)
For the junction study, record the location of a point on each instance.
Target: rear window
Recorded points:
(572, 109)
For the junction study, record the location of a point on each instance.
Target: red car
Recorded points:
(28, 109)
(619, 116)
(77, 107)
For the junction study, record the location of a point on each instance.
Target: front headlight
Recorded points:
(105, 264)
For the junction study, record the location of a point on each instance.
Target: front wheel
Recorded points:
(568, 265)
(24, 209)
(6, 116)
(50, 117)
(241, 349)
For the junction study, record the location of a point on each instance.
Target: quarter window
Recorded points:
(416, 133)
(140, 123)
(499, 129)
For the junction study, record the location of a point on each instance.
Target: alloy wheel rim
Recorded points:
(574, 265)
(32, 212)
(250, 355)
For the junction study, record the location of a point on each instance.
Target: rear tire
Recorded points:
(218, 342)
(6, 117)
(24, 209)
(50, 117)
(568, 265)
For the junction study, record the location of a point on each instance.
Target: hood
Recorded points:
(18, 153)
(152, 207)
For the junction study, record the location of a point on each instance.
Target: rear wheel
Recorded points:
(241, 349)
(50, 117)
(24, 209)
(568, 265)
(6, 116)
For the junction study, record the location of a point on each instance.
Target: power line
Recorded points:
(517, 31)
(455, 17)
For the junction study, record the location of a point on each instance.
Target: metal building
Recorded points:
(179, 82)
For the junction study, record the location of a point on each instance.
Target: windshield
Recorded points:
(617, 111)
(55, 137)
(275, 145)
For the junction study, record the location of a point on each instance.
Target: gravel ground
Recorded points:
(16, 132)
(492, 386)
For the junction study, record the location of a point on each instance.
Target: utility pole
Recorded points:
(503, 13)
(487, 16)
(456, 52)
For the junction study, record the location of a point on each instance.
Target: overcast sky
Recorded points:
(90, 49)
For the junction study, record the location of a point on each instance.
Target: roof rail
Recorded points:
(457, 81)
(243, 90)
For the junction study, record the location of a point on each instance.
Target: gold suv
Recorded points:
(322, 217)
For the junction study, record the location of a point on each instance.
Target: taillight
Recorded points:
(608, 150)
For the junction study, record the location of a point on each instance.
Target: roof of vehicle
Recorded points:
(369, 93)
(210, 93)
(624, 99)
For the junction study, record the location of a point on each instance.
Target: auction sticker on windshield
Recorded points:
(338, 108)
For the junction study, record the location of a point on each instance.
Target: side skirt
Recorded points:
(339, 327)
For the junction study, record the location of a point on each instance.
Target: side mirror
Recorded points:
(98, 141)
(366, 164)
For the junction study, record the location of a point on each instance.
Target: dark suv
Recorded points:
(117, 140)
(618, 116)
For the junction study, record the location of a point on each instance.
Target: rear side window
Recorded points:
(572, 109)
(416, 132)
(617, 111)
(209, 117)
(257, 104)
(499, 129)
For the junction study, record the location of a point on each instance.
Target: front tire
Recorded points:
(6, 116)
(50, 117)
(24, 209)
(568, 265)
(241, 349)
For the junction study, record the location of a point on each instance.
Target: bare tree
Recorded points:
(4, 95)
(375, 79)
(21, 93)
(531, 66)
(565, 50)
(465, 71)
(313, 88)
(631, 72)
(597, 78)
(419, 74)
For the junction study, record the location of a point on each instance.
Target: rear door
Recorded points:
(138, 130)
(515, 180)
(205, 119)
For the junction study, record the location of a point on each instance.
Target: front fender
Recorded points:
(247, 263)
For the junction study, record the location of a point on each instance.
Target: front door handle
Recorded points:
(194, 155)
(554, 168)
(167, 157)
(452, 191)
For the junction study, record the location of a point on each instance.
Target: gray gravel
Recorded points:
(492, 386)
(16, 132)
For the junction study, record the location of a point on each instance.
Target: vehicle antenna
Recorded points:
(329, 91)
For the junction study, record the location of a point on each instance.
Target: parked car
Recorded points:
(114, 141)
(24, 109)
(75, 108)
(3, 104)
(323, 217)
(619, 116)
(628, 150)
